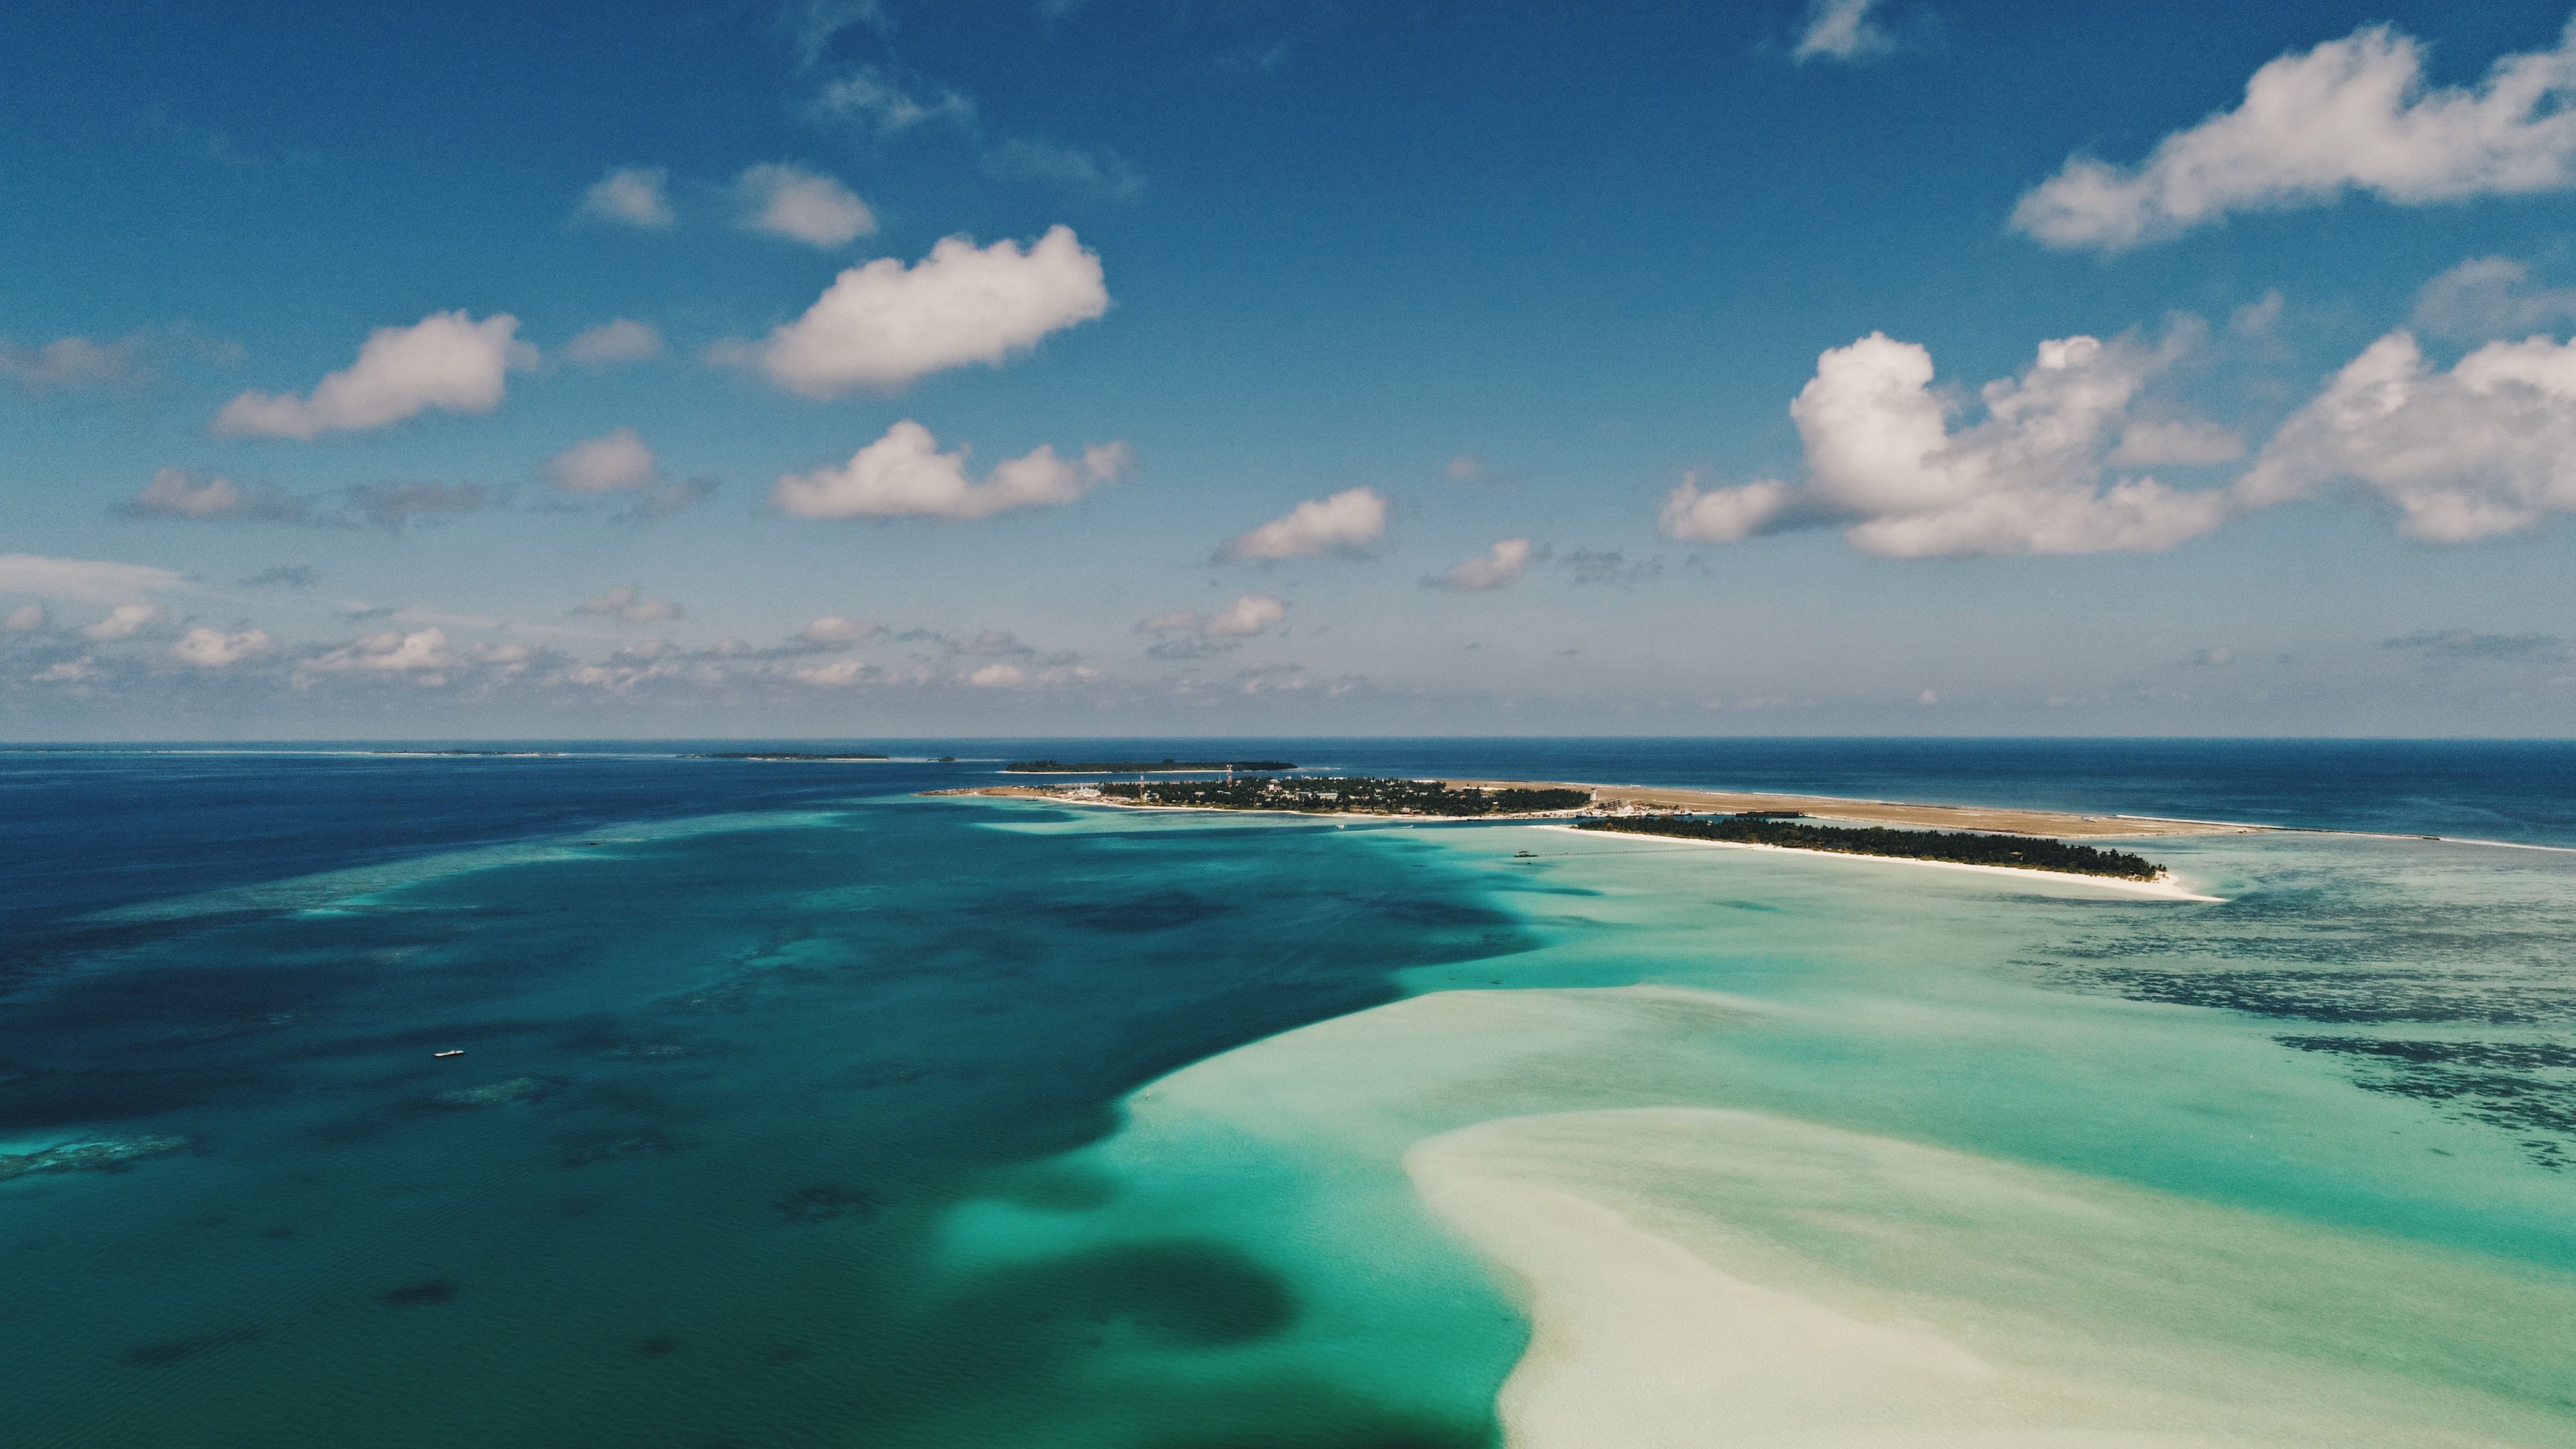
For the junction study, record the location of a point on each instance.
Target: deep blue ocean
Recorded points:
(738, 1038)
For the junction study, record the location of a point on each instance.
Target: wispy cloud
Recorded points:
(1842, 30)
(398, 506)
(2490, 297)
(1102, 173)
(70, 363)
(628, 603)
(876, 99)
(637, 196)
(178, 493)
(610, 343)
(1610, 567)
(2452, 646)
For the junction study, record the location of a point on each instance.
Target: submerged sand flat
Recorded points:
(1698, 1276)
(1891, 1190)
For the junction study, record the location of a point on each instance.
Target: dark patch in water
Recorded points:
(2346, 950)
(2356, 996)
(1158, 911)
(657, 1346)
(161, 1353)
(825, 1201)
(426, 1291)
(2519, 1086)
(581, 1149)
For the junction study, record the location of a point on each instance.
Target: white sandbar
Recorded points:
(2165, 887)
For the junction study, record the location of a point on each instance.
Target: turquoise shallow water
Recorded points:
(801, 1119)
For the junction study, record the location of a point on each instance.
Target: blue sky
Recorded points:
(601, 370)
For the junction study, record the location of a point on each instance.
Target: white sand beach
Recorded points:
(2165, 887)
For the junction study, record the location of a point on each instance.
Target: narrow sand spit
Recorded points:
(2165, 887)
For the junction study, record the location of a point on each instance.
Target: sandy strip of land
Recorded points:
(2163, 887)
(2063, 824)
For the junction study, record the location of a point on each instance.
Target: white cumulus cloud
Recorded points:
(1500, 568)
(790, 201)
(1346, 522)
(1882, 459)
(127, 620)
(614, 460)
(82, 580)
(391, 652)
(631, 196)
(2351, 114)
(882, 325)
(1841, 30)
(904, 475)
(2488, 447)
(1247, 616)
(628, 603)
(214, 649)
(447, 361)
(609, 343)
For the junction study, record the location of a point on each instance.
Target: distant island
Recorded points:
(1349, 795)
(1137, 767)
(2021, 852)
(786, 755)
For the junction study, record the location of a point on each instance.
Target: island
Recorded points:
(1312, 795)
(786, 755)
(1140, 767)
(1959, 847)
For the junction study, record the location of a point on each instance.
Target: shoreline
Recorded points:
(2167, 887)
(1990, 819)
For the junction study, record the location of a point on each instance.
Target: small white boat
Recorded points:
(458, 1052)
